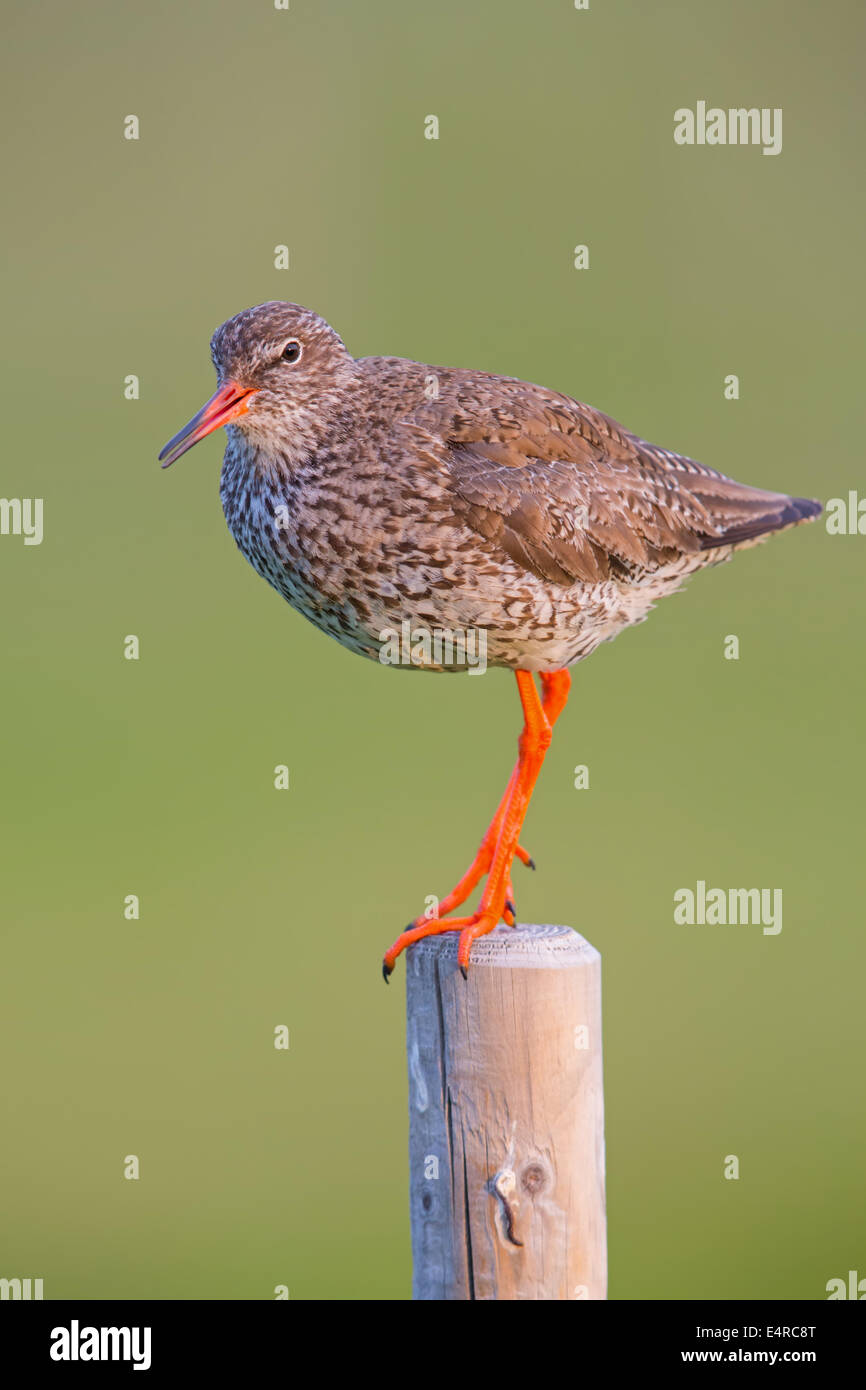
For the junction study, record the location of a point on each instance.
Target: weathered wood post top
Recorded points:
(506, 1117)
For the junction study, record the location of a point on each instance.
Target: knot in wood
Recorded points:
(533, 1179)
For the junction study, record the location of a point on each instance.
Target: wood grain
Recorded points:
(506, 1140)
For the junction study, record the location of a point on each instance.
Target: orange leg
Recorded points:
(553, 703)
(480, 864)
(500, 845)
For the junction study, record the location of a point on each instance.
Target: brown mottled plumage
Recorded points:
(377, 490)
(493, 505)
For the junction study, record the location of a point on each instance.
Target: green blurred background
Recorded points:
(155, 777)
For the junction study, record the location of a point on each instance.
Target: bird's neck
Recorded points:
(288, 440)
(263, 467)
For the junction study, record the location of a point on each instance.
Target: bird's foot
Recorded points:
(480, 866)
(435, 926)
(470, 928)
(509, 911)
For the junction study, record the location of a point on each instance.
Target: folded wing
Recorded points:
(568, 494)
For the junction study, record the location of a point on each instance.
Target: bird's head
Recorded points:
(281, 371)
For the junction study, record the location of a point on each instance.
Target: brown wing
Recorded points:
(571, 496)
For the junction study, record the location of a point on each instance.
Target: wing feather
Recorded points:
(570, 495)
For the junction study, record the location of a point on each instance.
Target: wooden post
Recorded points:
(506, 1121)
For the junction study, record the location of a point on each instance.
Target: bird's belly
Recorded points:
(317, 590)
(433, 605)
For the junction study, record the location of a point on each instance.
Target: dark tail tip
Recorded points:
(806, 508)
(792, 511)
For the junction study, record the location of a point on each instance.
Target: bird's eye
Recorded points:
(292, 351)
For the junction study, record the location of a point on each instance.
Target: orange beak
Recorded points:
(226, 404)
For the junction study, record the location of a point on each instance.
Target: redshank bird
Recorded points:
(375, 492)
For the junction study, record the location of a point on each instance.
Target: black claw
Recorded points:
(509, 907)
(464, 972)
(531, 864)
(386, 971)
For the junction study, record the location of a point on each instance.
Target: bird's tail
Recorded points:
(746, 515)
